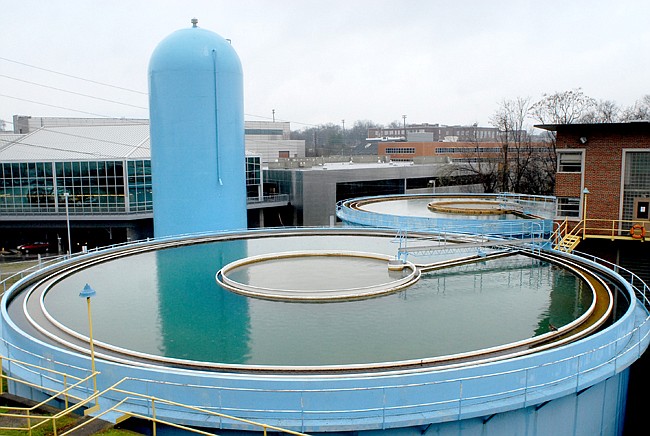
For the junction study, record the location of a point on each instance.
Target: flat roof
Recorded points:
(629, 126)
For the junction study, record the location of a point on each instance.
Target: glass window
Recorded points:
(568, 207)
(140, 192)
(569, 162)
(636, 182)
(400, 150)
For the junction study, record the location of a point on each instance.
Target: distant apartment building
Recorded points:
(460, 151)
(436, 133)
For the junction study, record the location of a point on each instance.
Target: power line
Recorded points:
(99, 98)
(72, 77)
(72, 92)
(55, 106)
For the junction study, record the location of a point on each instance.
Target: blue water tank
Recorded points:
(197, 134)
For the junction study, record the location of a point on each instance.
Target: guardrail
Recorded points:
(595, 227)
(34, 419)
(600, 228)
(282, 198)
(7, 279)
(31, 414)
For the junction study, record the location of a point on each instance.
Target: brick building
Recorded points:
(459, 151)
(437, 132)
(608, 165)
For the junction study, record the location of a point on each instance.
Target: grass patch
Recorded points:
(44, 429)
(7, 269)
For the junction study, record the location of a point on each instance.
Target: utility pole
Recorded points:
(273, 112)
(404, 118)
(343, 139)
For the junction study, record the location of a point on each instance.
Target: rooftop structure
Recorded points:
(602, 181)
(436, 133)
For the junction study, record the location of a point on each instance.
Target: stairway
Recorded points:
(568, 243)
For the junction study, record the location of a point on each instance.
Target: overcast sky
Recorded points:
(316, 62)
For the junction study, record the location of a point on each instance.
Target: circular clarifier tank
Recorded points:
(163, 303)
(471, 207)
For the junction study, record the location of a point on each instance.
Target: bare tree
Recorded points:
(566, 107)
(605, 111)
(639, 111)
(510, 119)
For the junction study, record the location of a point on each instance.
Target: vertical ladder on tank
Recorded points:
(402, 238)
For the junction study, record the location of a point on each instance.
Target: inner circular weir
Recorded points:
(317, 276)
(475, 207)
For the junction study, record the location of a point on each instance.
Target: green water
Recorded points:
(168, 303)
(316, 273)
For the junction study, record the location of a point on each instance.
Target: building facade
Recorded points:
(460, 151)
(272, 140)
(317, 184)
(437, 132)
(94, 177)
(608, 167)
(97, 179)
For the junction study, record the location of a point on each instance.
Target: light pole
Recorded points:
(585, 192)
(405, 135)
(86, 293)
(67, 220)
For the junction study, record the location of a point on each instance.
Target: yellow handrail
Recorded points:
(596, 227)
(601, 228)
(29, 412)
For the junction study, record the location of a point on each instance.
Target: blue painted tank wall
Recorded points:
(197, 134)
(576, 389)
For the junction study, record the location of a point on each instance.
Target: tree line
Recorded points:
(522, 166)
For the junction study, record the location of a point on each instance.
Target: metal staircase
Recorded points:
(568, 243)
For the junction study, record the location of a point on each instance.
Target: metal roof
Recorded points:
(94, 142)
(8, 138)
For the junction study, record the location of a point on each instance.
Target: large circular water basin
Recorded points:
(165, 303)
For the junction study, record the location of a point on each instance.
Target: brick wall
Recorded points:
(602, 170)
(568, 184)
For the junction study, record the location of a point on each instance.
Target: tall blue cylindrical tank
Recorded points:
(197, 134)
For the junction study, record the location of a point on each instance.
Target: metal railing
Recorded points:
(615, 229)
(600, 228)
(34, 418)
(146, 407)
(278, 198)
(7, 279)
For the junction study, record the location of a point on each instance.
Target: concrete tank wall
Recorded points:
(576, 389)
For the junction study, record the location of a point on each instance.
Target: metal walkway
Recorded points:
(458, 243)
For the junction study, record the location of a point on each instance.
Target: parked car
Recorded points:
(34, 248)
